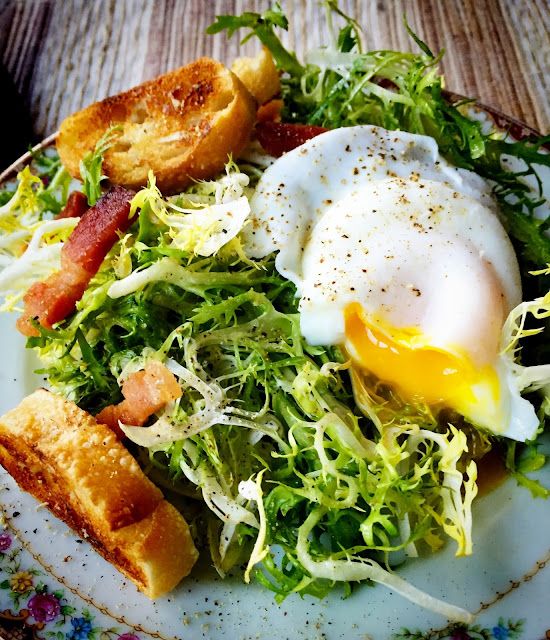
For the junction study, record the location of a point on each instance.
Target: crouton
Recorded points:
(182, 125)
(259, 75)
(86, 477)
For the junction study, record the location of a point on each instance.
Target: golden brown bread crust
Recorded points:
(181, 125)
(259, 75)
(79, 469)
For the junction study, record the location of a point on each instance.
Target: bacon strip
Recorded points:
(76, 206)
(279, 137)
(145, 392)
(96, 232)
(53, 299)
(270, 111)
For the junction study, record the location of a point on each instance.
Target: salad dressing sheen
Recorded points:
(491, 472)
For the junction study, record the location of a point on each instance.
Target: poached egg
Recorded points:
(400, 258)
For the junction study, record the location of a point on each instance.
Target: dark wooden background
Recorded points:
(60, 55)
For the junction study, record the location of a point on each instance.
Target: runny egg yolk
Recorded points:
(417, 371)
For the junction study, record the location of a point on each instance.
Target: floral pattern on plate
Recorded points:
(502, 630)
(45, 612)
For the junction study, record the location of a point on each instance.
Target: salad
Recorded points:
(309, 474)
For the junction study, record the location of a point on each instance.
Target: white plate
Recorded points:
(60, 588)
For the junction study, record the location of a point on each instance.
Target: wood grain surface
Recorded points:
(63, 54)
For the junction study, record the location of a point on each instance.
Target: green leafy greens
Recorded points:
(31, 240)
(91, 166)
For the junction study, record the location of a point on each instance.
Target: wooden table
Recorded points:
(64, 54)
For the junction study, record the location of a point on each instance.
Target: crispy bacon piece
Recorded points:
(270, 111)
(279, 137)
(52, 300)
(145, 392)
(76, 207)
(96, 232)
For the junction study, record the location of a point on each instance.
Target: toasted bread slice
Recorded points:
(86, 477)
(259, 75)
(181, 125)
